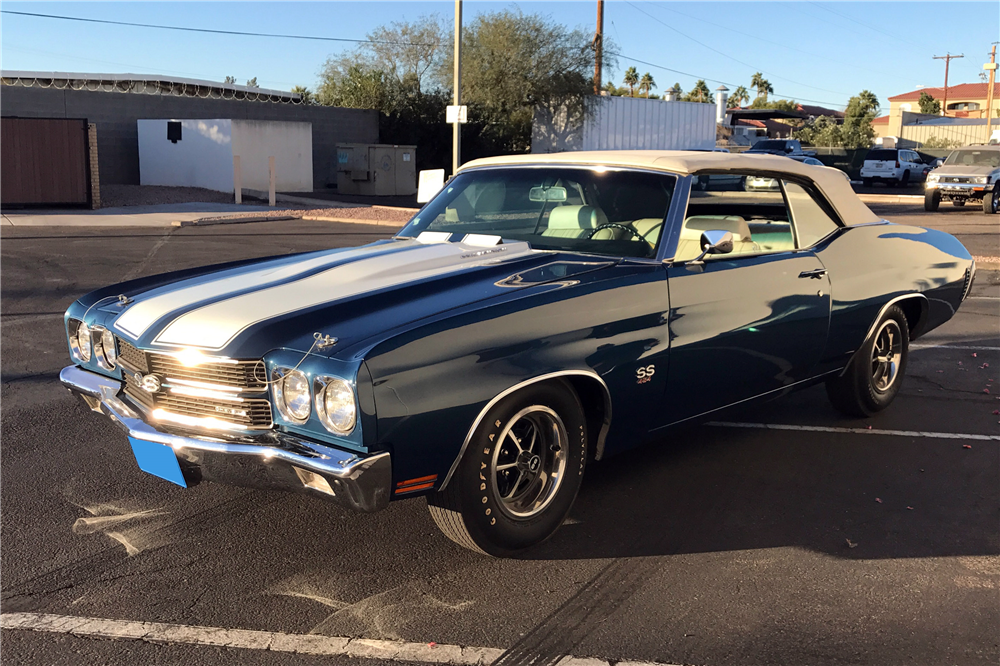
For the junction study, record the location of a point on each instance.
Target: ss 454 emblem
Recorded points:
(643, 375)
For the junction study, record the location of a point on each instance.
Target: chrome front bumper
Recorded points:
(274, 460)
(964, 189)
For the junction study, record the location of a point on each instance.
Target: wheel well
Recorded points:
(915, 310)
(596, 409)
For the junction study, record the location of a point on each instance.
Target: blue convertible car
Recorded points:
(541, 312)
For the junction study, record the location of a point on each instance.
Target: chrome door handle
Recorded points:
(817, 273)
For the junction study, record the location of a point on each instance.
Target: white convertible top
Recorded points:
(831, 182)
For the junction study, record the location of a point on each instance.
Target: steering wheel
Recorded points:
(615, 225)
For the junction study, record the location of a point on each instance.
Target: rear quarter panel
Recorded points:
(870, 265)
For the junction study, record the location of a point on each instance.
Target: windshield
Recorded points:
(608, 212)
(968, 157)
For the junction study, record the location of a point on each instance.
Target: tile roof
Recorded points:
(881, 120)
(961, 90)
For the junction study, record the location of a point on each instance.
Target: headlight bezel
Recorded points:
(322, 384)
(80, 351)
(106, 360)
(933, 177)
(279, 376)
(980, 180)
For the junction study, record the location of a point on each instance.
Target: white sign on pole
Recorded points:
(456, 114)
(431, 182)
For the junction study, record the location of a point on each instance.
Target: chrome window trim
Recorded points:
(599, 449)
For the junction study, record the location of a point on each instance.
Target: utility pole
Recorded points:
(992, 66)
(598, 47)
(456, 136)
(947, 62)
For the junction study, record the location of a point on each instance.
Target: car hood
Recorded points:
(963, 170)
(351, 294)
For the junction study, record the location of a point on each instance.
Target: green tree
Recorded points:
(647, 83)
(739, 97)
(252, 83)
(631, 80)
(304, 94)
(700, 93)
(231, 80)
(777, 104)
(822, 131)
(928, 104)
(940, 142)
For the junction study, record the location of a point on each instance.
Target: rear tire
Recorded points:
(932, 199)
(520, 474)
(991, 200)
(872, 380)
(906, 179)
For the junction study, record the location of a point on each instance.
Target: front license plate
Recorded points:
(157, 459)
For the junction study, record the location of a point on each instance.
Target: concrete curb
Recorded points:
(305, 201)
(355, 220)
(209, 221)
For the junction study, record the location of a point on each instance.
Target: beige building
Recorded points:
(963, 121)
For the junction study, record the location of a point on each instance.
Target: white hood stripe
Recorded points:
(145, 313)
(214, 326)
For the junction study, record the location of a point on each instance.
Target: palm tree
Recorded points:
(739, 97)
(762, 85)
(700, 92)
(304, 94)
(631, 79)
(647, 83)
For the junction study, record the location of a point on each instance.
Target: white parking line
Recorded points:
(857, 431)
(157, 632)
(958, 347)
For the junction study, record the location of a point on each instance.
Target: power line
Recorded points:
(814, 54)
(864, 25)
(211, 31)
(726, 55)
(708, 78)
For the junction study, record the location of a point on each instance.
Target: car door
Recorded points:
(753, 321)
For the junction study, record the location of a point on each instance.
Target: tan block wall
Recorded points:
(95, 176)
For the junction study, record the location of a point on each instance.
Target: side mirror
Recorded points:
(714, 241)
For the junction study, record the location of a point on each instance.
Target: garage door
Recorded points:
(44, 161)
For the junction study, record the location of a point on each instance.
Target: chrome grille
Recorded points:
(241, 398)
(131, 357)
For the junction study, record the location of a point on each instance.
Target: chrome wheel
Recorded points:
(886, 354)
(529, 462)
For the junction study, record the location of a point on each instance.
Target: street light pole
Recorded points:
(947, 63)
(456, 136)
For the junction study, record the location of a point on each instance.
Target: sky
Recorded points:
(812, 52)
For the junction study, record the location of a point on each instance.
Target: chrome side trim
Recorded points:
(361, 484)
(599, 450)
(878, 318)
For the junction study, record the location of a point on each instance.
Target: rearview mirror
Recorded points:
(547, 194)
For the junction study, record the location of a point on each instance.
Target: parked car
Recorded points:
(764, 183)
(540, 313)
(778, 147)
(968, 174)
(893, 166)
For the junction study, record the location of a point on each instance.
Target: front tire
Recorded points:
(519, 475)
(991, 200)
(872, 380)
(932, 199)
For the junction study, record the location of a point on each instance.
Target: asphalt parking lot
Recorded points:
(781, 533)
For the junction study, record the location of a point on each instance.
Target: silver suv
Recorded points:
(968, 174)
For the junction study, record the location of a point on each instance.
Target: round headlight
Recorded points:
(335, 405)
(83, 341)
(109, 348)
(294, 396)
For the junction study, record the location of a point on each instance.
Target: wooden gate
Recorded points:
(44, 161)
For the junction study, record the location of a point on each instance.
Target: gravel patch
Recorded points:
(113, 196)
(377, 213)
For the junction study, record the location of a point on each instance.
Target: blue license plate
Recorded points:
(158, 459)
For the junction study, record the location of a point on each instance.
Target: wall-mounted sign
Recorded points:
(456, 114)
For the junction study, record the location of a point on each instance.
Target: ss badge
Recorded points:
(643, 375)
